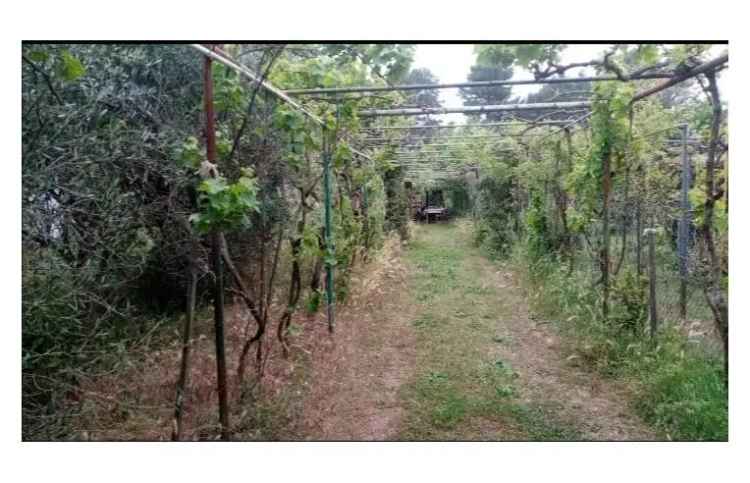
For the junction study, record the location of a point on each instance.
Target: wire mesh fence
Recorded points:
(651, 207)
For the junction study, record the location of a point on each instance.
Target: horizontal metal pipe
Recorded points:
(457, 169)
(455, 85)
(474, 109)
(469, 125)
(440, 148)
(241, 69)
(454, 136)
(223, 59)
(448, 163)
(441, 171)
(661, 130)
(455, 142)
(428, 148)
(567, 125)
(385, 141)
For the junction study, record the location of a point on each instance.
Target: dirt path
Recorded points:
(356, 376)
(435, 343)
(595, 407)
(438, 343)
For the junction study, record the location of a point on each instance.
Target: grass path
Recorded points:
(438, 344)
(485, 368)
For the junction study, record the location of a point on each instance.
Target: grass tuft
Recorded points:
(680, 387)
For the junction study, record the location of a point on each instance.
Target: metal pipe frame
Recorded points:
(453, 169)
(470, 125)
(437, 173)
(241, 69)
(440, 151)
(691, 141)
(425, 161)
(568, 125)
(475, 109)
(458, 85)
(460, 136)
(417, 162)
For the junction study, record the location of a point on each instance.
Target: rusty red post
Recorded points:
(221, 362)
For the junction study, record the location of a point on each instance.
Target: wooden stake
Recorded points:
(684, 223)
(187, 333)
(221, 362)
(650, 233)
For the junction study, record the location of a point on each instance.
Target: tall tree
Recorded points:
(483, 96)
(423, 98)
(555, 93)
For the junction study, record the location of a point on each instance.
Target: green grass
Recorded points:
(461, 391)
(679, 386)
(682, 390)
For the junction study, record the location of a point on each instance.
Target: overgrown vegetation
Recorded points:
(586, 196)
(146, 187)
(679, 383)
(119, 200)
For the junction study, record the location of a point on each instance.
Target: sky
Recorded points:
(452, 62)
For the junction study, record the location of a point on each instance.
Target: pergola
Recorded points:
(577, 111)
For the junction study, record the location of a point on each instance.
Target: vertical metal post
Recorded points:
(651, 233)
(638, 263)
(365, 218)
(427, 205)
(328, 226)
(684, 223)
(604, 253)
(221, 366)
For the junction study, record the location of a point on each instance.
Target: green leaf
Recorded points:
(189, 153)
(212, 186)
(225, 206)
(70, 68)
(648, 54)
(38, 56)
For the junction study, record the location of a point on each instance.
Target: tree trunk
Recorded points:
(183, 380)
(713, 290)
(295, 286)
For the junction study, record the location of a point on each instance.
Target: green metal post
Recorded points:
(328, 227)
(365, 217)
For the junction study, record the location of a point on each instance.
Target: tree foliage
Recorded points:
(115, 210)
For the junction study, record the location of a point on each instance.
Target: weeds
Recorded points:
(679, 386)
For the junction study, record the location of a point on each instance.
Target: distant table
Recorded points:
(436, 213)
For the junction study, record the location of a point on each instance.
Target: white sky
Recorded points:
(452, 62)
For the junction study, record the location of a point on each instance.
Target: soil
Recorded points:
(348, 386)
(595, 406)
(356, 375)
(356, 379)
